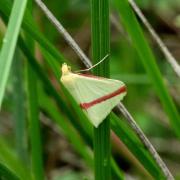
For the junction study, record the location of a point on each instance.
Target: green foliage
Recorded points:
(149, 63)
(49, 95)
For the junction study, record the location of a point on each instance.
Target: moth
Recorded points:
(97, 96)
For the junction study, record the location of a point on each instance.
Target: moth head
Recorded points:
(65, 69)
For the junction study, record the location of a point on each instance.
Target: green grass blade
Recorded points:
(148, 60)
(100, 48)
(9, 43)
(34, 125)
(29, 26)
(118, 173)
(10, 160)
(7, 173)
(33, 112)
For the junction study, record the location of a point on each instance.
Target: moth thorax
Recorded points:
(65, 69)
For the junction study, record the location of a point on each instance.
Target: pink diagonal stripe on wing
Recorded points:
(103, 98)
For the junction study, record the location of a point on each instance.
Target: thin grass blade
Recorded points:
(100, 48)
(33, 112)
(9, 43)
(9, 159)
(7, 173)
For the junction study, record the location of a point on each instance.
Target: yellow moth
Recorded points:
(96, 96)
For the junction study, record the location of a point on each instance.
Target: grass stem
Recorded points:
(100, 48)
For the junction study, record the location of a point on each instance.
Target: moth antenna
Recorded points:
(88, 69)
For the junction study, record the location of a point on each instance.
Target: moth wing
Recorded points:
(88, 89)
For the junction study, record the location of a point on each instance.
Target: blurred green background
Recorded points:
(61, 161)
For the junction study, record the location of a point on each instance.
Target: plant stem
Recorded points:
(100, 48)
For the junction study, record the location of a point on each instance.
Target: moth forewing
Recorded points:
(97, 96)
